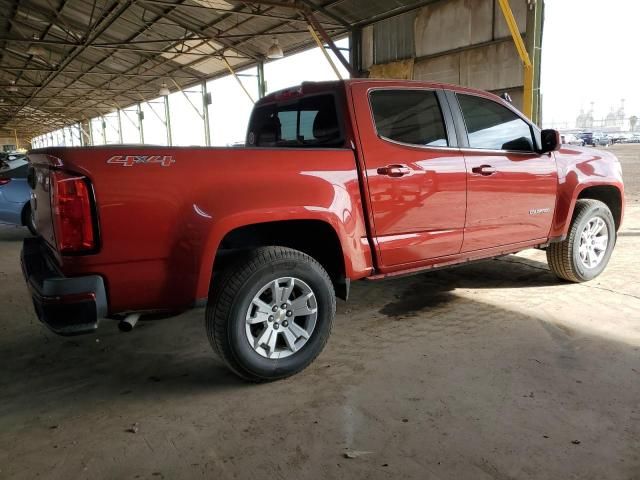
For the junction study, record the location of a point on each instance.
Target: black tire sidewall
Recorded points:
(243, 352)
(28, 219)
(585, 273)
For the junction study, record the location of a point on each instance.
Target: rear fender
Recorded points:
(356, 254)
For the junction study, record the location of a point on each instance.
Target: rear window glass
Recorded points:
(307, 122)
(20, 172)
(409, 116)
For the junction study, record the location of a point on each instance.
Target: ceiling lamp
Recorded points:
(164, 90)
(275, 50)
(13, 87)
(35, 49)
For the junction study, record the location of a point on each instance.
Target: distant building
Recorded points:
(585, 120)
(611, 120)
(620, 116)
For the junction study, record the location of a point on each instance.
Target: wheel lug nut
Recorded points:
(276, 326)
(284, 306)
(289, 313)
(275, 308)
(285, 324)
(271, 318)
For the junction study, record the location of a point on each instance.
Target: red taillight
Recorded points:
(72, 217)
(4, 181)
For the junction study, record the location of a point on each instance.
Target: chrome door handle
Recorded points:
(485, 170)
(394, 171)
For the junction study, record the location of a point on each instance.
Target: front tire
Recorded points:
(270, 313)
(586, 251)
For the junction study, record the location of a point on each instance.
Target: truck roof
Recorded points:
(312, 87)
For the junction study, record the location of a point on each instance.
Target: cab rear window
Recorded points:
(306, 122)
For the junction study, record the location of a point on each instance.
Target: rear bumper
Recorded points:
(68, 306)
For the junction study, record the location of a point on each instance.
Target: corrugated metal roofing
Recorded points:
(99, 54)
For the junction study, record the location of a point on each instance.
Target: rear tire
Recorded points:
(270, 313)
(586, 251)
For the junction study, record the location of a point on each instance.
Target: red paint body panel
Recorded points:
(418, 216)
(580, 168)
(160, 227)
(499, 206)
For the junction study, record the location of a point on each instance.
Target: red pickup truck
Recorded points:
(338, 181)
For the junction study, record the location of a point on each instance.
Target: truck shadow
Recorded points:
(172, 356)
(437, 288)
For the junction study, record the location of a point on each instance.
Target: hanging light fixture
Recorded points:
(164, 90)
(275, 50)
(13, 87)
(35, 49)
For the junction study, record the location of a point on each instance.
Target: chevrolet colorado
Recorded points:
(338, 181)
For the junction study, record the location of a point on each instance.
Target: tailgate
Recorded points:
(39, 182)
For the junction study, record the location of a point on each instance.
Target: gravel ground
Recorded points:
(488, 371)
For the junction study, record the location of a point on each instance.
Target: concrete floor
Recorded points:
(489, 371)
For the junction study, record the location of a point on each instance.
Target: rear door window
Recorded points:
(409, 116)
(491, 126)
(308, 122)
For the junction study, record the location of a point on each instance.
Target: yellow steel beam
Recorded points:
(324, 51)
(527, 106)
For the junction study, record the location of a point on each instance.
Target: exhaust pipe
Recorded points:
(127, 324)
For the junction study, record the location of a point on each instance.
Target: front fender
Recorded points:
(579, 169)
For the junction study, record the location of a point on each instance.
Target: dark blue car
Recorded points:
(15, 196)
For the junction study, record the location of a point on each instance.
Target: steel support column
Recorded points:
(527, 103)
(206, 101)
(140, 118)
(355, 51)
(167, 120)
(262, 83)
(535, 19)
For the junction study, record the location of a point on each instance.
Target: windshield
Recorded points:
(305, 122)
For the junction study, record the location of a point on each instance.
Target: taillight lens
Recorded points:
(4, 181)
(72, 217)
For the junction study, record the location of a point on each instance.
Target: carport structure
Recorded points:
(66, 62)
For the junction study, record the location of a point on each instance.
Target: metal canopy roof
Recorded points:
(92, 56)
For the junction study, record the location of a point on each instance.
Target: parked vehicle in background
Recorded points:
(619, 137)
(15, 196)
(571, 139)
(601, 139)
(595, 139)
(587, 138)
(340, 181)
(12, 161)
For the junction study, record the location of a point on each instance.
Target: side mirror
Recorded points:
(550, 141)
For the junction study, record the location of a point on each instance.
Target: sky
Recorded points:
(590, 54)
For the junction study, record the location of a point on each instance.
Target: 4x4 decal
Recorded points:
(131, 160)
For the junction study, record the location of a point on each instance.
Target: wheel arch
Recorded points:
(610, 195)
(315, 237)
